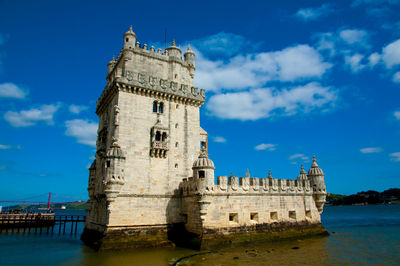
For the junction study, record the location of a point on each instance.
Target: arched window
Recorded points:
(158, 136)
(164, 136)
(154, 107)
(161, 108)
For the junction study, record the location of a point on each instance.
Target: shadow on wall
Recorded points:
(176, 221)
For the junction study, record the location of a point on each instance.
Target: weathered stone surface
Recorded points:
(152, 182)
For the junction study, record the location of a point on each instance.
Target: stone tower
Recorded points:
(149, 136)
(152, 181)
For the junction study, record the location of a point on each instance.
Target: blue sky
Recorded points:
(284, 81)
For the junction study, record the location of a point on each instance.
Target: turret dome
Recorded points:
(315, 170)
(302, 175)
(203, 161)
(174, 50)
(189, 51)
(129, 32)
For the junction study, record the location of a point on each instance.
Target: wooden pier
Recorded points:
(41, 223)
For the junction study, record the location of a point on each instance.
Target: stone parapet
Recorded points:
(246, 185)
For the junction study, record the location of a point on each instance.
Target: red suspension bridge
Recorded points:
(31, 200)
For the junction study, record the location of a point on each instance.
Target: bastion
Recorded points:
(152, 182)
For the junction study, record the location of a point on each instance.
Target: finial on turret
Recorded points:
(173, 43)
(269, 174)
(314, 164)
(302, 170)
(247, 173)
(189, 48)
(231, 174)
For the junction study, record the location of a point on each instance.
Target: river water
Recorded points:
(366, 235)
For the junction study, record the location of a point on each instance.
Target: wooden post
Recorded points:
(76, 225)
(64, 227)
(59, 225)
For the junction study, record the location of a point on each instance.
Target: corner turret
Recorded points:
(303, 175)
(189, 59)
(173, 50)
(317, 179)
(115, 177)
(129, 39)
(203, 169)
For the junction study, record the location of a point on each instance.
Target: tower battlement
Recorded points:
(155, 74)
(247, 185)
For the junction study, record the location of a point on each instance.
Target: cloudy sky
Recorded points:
(285, 81)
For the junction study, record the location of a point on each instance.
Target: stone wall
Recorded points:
(245, 201)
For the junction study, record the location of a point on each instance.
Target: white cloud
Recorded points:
(395, 157)
(313, 13)
(374, 59)
(371, 150)
(300, 156)
(296, 63)
(4, 147)
(76, 109)
(354, 62)
(264, 146)
(10, 90)
(391, 54)
(219, 139)
(223, 44)
(355, 37)
(32, 116)
(84, 131)
(326, 42)
(261, 103)
(396, 77)
(397, 115)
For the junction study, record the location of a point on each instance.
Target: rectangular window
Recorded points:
(254, 216)
(233, 217)
(274, 216)
(292, 214)
(308, 214)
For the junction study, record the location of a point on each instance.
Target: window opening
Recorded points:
(274, 216)
(233, 217)
(161, 108)
(254, 216)
(158, 136)
(203, 145)
(154, 107)
(202, 174)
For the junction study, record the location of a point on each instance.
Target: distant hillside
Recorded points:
(77, 205)
(390, 196)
